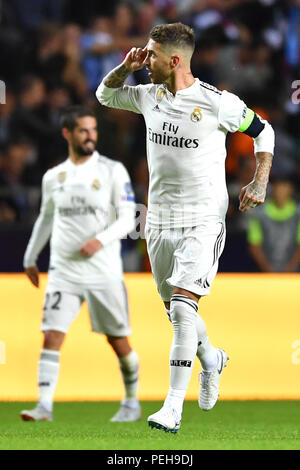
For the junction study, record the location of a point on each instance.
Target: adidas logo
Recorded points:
(156, 108)
(200, 283)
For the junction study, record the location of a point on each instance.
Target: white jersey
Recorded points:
(79, 202)
(185, 147)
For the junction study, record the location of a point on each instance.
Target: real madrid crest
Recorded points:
(96, 184)
(62, 176)
(196, 115)
(160, 94)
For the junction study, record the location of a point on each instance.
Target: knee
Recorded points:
(120, 345)
(181, 312)
(112, 340)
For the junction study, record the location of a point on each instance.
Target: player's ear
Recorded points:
(65, 133)
(174, 61)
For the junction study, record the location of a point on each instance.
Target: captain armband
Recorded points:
(260, 130)
(251, 124)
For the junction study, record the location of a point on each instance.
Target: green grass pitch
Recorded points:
(237, 425)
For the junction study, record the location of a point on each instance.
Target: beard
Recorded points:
(159, 73)
(158, 77)
(153, 77)
(84, 151)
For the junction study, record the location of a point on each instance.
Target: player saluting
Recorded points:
(187, 122)
(80, 200)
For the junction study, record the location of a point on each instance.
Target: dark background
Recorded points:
(55, 53)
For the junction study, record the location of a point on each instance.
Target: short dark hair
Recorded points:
(282, 177)
(173, 34)
(70, 115)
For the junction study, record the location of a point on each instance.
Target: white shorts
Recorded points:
(108, 307)
(187, 258)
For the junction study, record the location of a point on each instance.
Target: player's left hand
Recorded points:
(252, 195)
(90, 247)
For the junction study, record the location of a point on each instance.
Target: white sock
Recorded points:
(206, 353)
(129, 366)
(175, 399)
(48, 370)
(185, 341)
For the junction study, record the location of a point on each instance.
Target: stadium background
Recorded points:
(54, 53)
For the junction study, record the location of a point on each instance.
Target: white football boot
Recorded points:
(210, 383)
(166, 419)
(39, 413)
(127, 413)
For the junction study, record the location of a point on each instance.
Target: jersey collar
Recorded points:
(88, 162)
(185, 91)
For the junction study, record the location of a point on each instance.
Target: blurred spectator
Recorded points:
(245, 69)
(205, 57)
(135, 255)
(141, 180)
(33, 12)
(13, 49)
(285, 158)
(95, 43)
(292, 40)
(106, 42)
(205, 12)
(58, 57)
(48, 60)
(8, 211)
(58, 98)
(274, 230)
(14, 175)
(82, 13)
(27, 117)
(73, 74)
(146, 18)
(6, 111)
(238, 221)
(117, 134)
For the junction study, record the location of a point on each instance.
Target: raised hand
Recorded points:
(135, 59)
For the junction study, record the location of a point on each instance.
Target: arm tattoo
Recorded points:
(255, 192)
(263, 167)
(261, 177)
(117, 76)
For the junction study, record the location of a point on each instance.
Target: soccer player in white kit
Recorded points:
(187, 122)
(87, 207)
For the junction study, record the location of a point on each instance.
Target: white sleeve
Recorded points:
(42, 227)
(232, 111)
(265, 141)
(126, 97)
(124, 207)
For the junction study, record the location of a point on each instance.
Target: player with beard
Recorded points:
(187, 121)
(87, 207)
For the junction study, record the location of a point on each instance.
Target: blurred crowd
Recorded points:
(55, 53)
